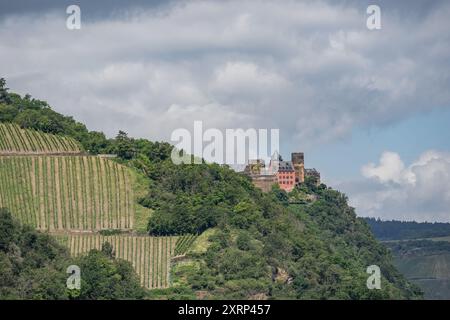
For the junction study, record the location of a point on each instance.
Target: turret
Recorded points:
(298, 161)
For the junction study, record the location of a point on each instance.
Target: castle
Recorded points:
(287, 174)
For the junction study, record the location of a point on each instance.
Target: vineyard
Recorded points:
(47, 183)
(15, 140)
(150, 256)
(183, 244)
(67, 192)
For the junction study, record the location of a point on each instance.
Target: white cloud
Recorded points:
(390, 169)
(418, 192)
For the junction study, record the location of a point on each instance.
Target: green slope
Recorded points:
(251, 245)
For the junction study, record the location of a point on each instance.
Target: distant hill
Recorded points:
(421, 253)
(425, 263)
(402, 230)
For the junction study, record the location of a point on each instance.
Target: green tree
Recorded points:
(4, 96)
(96, 142)
(7, 113)
(32, 265)
(103, 277)
(124, 146)
(108, 250)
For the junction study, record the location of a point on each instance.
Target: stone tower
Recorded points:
(298, 161)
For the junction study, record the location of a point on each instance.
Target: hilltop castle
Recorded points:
(287, 174)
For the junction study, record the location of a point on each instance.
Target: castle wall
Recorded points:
(265, 182)
(314, 174)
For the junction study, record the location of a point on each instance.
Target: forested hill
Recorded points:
(405, 230)
(250, 245)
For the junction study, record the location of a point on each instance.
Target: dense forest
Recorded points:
(251, 244)
(403, 230)
(33, 266)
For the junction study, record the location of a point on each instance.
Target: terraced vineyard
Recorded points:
(14, 140)
(184, 243)
(46, 183)
(67, 192)
(150, 256)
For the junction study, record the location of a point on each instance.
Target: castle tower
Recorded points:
(298, 161)
(274, 163)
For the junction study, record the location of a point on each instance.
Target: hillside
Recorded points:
(50, 183)
(425, 263)
(66, 195)
(250, 245)
(33, 266)
(316, 251)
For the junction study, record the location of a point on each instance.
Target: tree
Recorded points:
(106, 278)
(4, 96)
(108, 250)
(280, 194)
(96, 142)
(7, 113)
(32, 265)
(124, 146)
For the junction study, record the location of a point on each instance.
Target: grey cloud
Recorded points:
(310, 68)
(92, 9)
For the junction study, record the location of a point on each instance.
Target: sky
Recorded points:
(370, 108)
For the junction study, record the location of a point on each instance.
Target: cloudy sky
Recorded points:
(370, 108)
